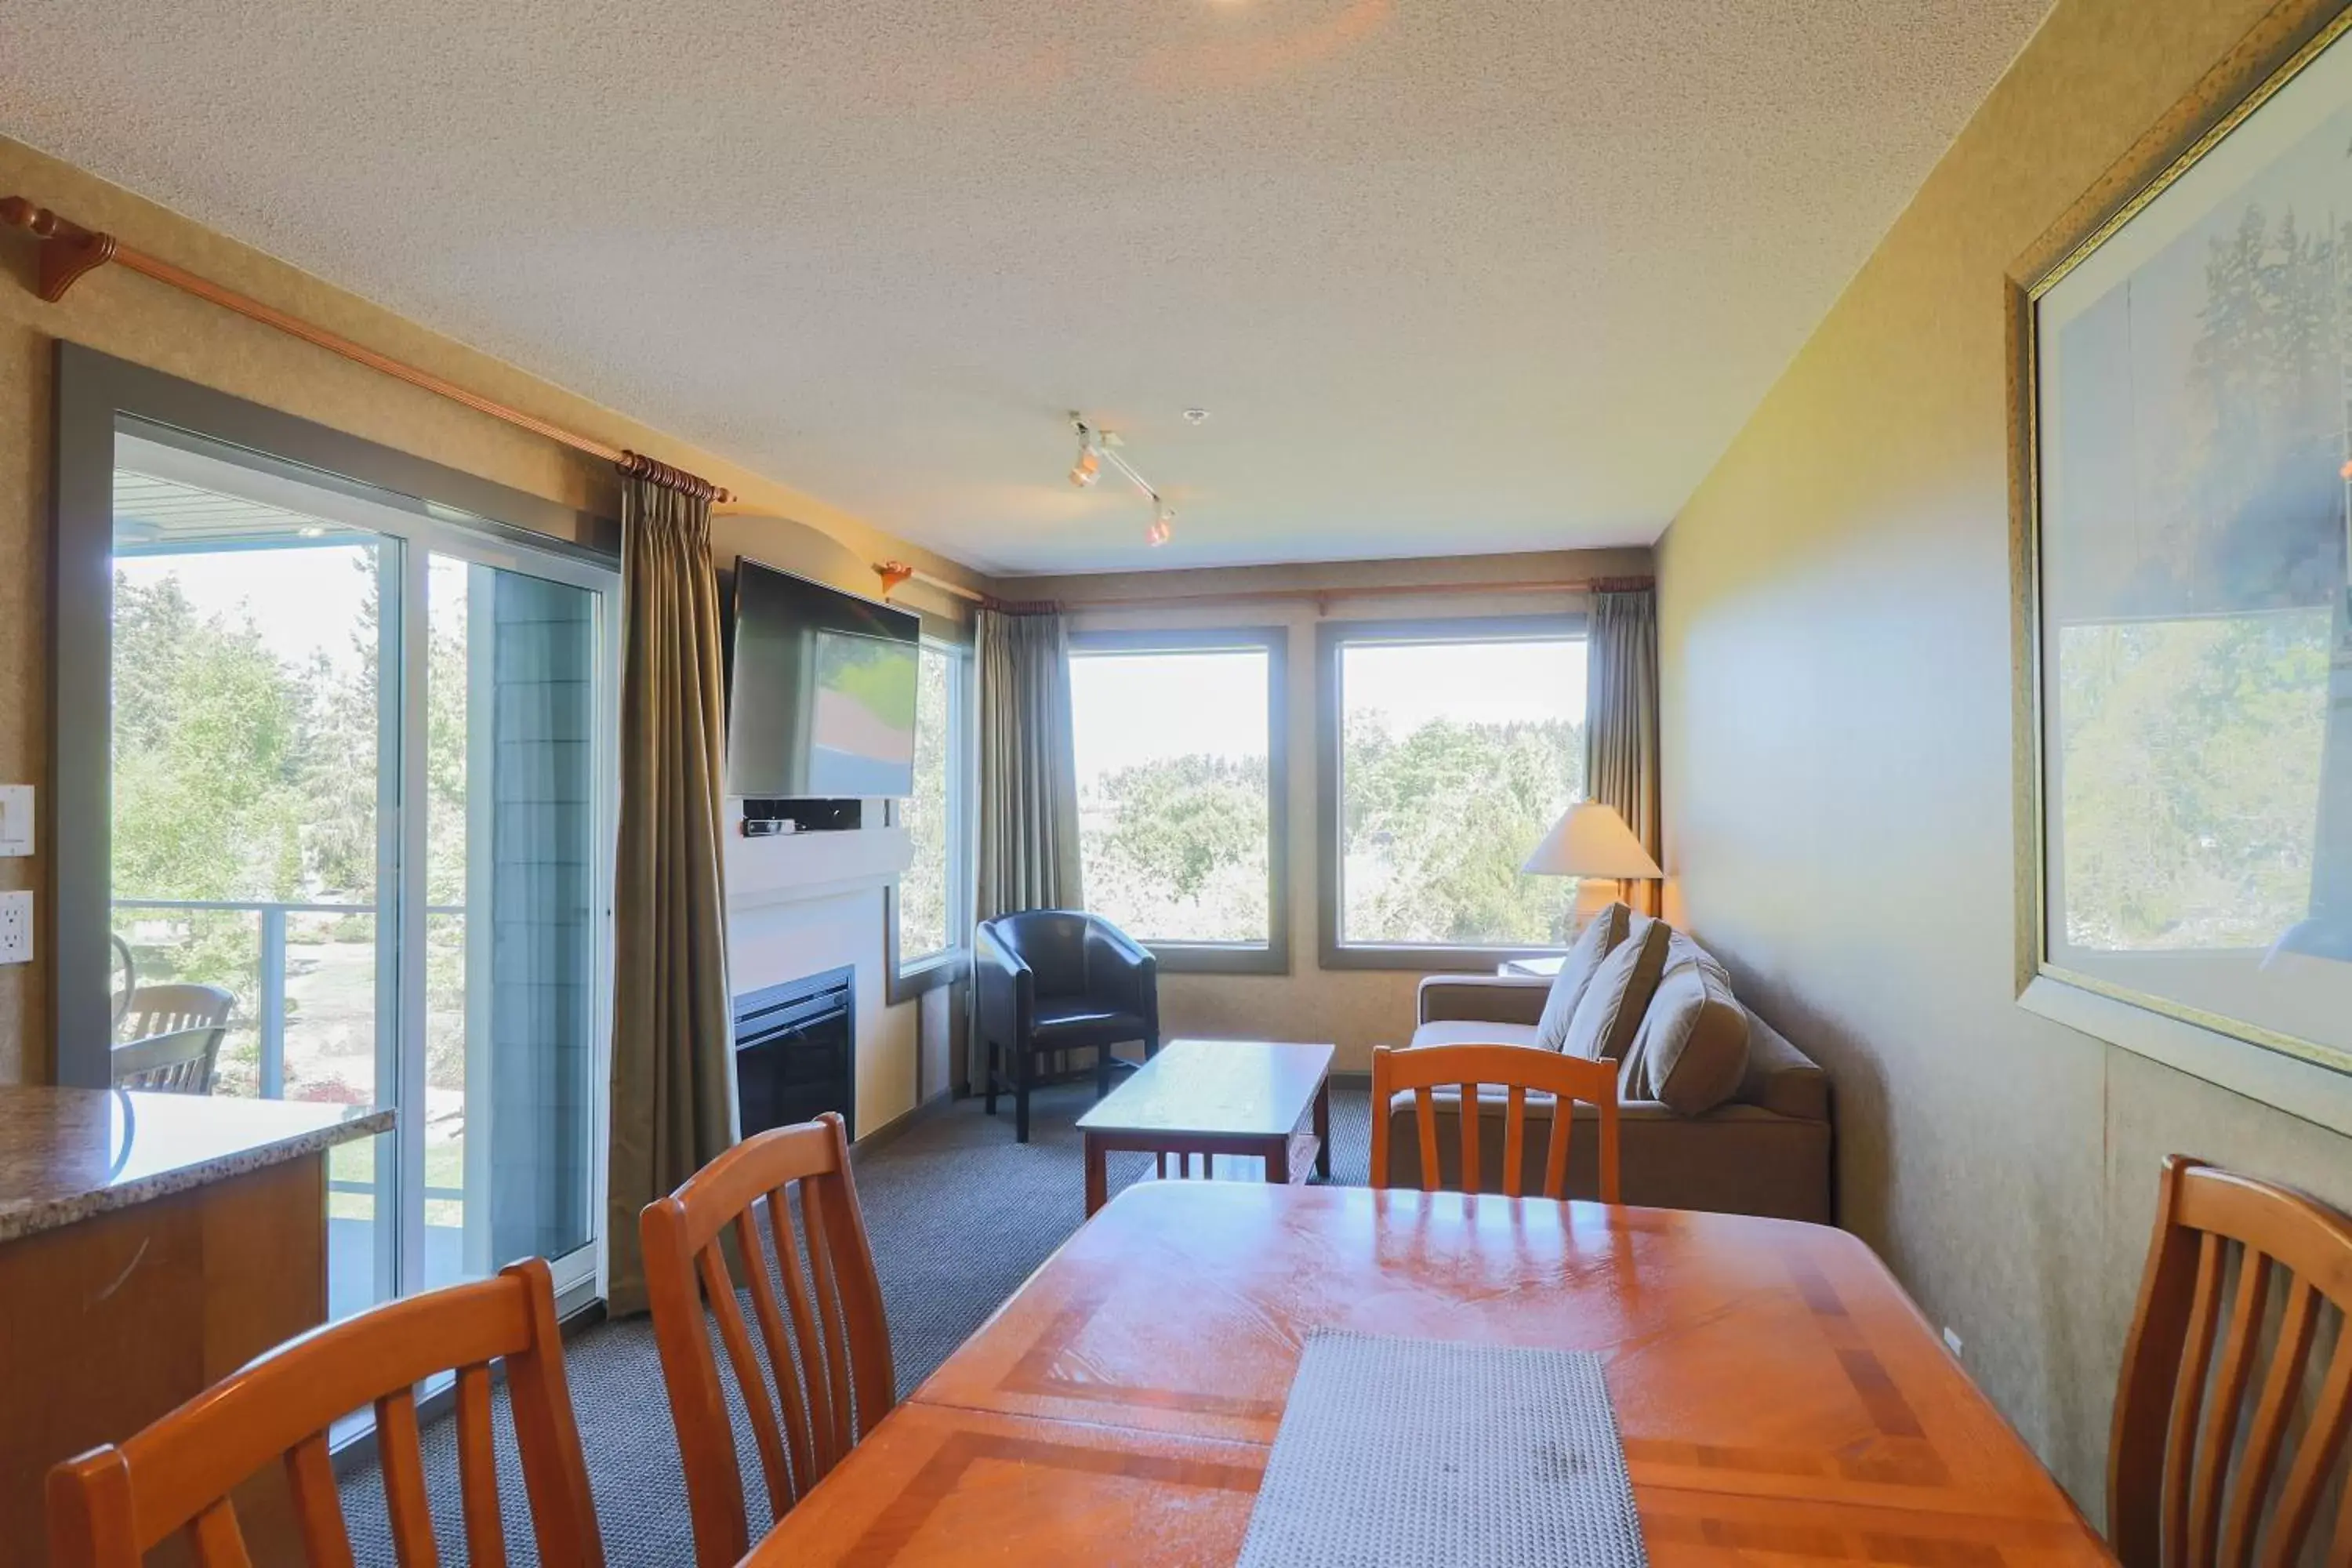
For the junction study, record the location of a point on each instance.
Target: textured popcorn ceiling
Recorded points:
(1453, 275)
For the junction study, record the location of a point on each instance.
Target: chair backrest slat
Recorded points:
(1517, 1069)
(317, 1504)
(400, 1452)
(719, 1290)
(219, 1543)
(2290, 1361)
(775, 1340)
(2194, 1480)
(828, 1345)
(1424, 1121)
(111, 1506)
(1466, 1104)
(2203, 1329)
(806, 1398)
(2307, 1479)
(478, 1471)
(1514, 1139)
(833, 1334)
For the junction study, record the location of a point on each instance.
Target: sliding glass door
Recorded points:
(361, 791)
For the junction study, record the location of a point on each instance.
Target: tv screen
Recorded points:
(819, 691)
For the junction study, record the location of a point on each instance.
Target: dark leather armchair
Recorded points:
(1054, 981)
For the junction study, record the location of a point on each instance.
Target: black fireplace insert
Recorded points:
(796, 1051)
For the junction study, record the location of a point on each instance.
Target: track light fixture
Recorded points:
(1095, 444)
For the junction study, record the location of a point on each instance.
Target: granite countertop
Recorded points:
(68, 1153)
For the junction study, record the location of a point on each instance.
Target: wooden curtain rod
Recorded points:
(68, 250)
(894, 573)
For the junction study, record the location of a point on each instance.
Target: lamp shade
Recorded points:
(1591, 840)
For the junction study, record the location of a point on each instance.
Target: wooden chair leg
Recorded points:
(991, 1055)
(1102, 1071)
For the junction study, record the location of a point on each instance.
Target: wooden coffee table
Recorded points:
(1243, 1098)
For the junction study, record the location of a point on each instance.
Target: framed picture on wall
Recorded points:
(2188, 631)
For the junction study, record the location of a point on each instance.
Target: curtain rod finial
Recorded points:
(68, 249)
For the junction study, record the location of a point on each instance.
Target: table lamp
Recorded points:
(1593, 844)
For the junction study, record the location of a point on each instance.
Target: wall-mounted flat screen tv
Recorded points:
(820, 690)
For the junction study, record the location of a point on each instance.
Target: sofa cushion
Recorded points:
(1592, 945)
(1691, 1051)
(1472, 1032)
(1611, 1009)
(1781, 1078)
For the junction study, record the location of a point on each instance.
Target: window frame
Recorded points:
(1331, 638)
(1272, 955)
(907, 979)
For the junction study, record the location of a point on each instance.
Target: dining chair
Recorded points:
(113, 1505)
(170, 1037)
(2190, 1481)
(823, 1334)
(1518, 1070)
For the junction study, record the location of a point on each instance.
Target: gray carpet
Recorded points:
(960, 1216)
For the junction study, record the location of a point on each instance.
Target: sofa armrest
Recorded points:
(1484, 998)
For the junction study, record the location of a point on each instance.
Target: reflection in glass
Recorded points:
(511, 932)
(2195, 451)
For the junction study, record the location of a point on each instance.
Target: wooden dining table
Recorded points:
(1782, 1400)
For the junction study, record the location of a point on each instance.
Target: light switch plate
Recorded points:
(15, 819)
(15, 928)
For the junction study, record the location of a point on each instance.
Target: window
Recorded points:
(928, 911)
(1180, 793)
(1450, 749)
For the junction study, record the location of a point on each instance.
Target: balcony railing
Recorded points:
(268, 1011)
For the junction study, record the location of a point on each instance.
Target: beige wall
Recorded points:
(1836, 644)
(1354, 1008)
(124, 314)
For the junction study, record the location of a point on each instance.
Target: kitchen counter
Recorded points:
(150, 1246)
(68, 1155)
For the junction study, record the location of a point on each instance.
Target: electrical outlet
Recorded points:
(1952, 1341)
(15, 928)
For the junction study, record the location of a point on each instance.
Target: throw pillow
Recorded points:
(1610, 1010)
(1595, 943)
(1690, 1052)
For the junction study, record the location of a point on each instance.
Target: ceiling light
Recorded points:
(1196, 416)
(1089, 468)
(1095, 446)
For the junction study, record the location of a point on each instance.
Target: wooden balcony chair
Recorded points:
(170, 1037)
(2190, 1481)
(1518, 1070)
(111, 1506)
(823, 1336)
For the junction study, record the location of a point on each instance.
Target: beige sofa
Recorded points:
(1766, 1151)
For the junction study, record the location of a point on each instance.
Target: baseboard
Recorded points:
(890, 1131)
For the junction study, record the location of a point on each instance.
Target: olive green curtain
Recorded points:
(1620, 720)
(1027, 856)
(673, 1100)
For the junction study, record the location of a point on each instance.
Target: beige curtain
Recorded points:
(1620, 720)
(1027, 857)
(673, 1104)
